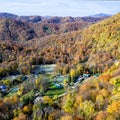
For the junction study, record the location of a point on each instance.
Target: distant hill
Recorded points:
(32, 19)
(101, 15)
(15, 27)
(17, 30)
(8, 15)
(53, 19)
(55, 25)
(11, 29)
(41, 25)
(61, 20)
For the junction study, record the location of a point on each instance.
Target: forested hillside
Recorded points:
(97, 46)
(11, 29)
(100, 42)
(83, 46)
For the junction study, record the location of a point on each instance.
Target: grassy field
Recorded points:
(60, 79)
(55, 91)
(53, 88)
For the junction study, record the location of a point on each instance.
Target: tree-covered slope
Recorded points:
(96, 46)
(15, 30)
(99, 43)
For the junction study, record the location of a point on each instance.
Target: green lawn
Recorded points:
(60, 79)
(50, 76)
(55, 91)
(53, 86)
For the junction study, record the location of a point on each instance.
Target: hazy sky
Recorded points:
(59, 7)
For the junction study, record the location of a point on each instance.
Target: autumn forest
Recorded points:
(59, 68)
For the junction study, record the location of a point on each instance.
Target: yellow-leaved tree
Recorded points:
(114, 109)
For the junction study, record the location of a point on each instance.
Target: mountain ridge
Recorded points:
(101, 15)
(38, 18)
(30, 27)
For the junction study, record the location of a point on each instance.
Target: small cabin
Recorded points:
(58, 86)
(86, 75)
